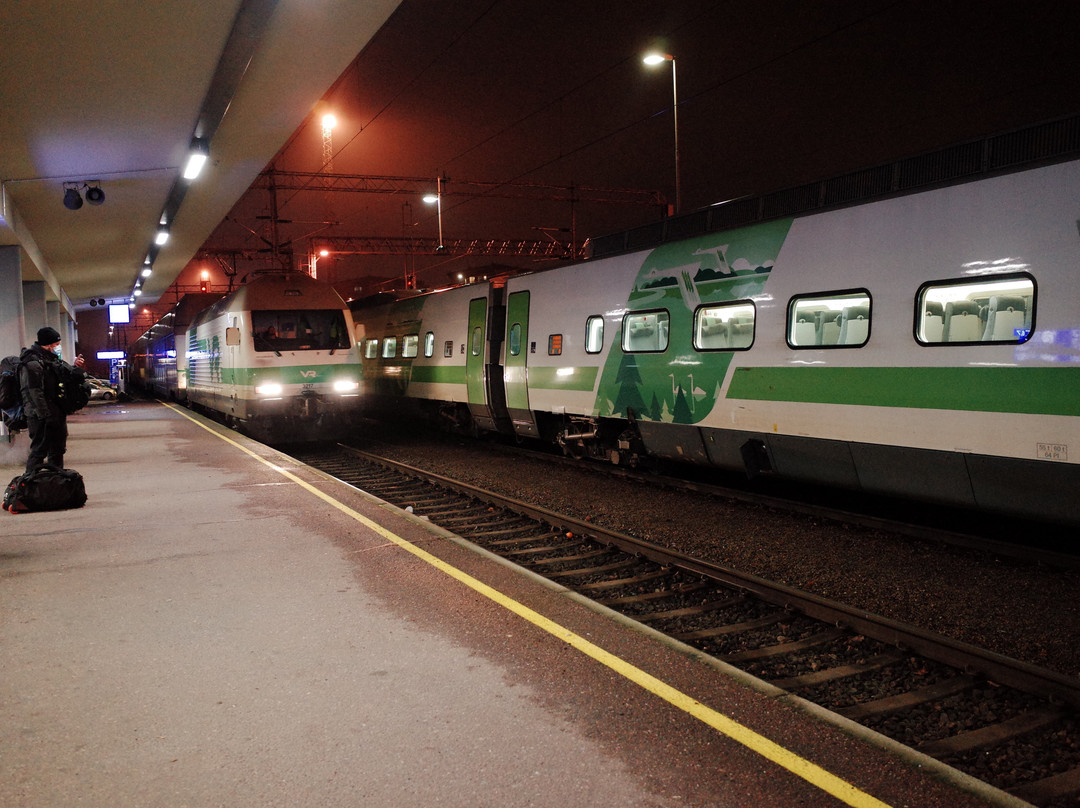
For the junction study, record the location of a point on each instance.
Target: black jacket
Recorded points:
(39, 383)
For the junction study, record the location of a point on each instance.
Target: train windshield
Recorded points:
(299, 330)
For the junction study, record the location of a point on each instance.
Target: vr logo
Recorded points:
(308, 374)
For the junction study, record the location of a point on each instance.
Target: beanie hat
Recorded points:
(48, 336)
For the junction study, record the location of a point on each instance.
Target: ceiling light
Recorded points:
(72, 200)
(162, 234)
(147, 272)
(198, 154)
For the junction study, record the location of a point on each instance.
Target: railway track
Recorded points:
(1012, 725)
(940, 525)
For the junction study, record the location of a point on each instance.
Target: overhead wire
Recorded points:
(401, 90)
(564, 154)
(711, 89)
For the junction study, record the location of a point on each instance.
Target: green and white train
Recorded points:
(274, 358)
(924, 345)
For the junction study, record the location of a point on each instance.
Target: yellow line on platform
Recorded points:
(810, 772)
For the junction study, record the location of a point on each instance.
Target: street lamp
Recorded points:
(436, 199)
(652, 60)
(313, 261)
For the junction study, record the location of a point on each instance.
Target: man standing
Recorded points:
(40, 384)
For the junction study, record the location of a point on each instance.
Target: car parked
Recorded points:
(101, 390)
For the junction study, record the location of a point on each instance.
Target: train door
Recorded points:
(516, 371)
(474, 356)
(483, 374)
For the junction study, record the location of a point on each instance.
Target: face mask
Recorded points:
(58, 349)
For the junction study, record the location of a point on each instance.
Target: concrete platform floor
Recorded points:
(219, 626)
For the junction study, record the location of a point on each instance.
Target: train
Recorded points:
(275, 358)
(922, 345)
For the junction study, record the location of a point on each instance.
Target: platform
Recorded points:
(221, 626)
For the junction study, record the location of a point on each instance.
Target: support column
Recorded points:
(35, 314)
(12, 328)
(12, 320)
(58, 319)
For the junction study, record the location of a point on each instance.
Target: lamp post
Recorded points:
(407, 222)
(313, 260)
(653, 59)
(436, 199)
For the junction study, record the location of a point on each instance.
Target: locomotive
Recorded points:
(924, 345)
(274, 358)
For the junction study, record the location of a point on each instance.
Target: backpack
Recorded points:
(74, 389)
(11, 406)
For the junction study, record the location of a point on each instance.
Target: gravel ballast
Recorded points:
(1022, 610)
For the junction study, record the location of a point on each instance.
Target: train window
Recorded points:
(594, 334)
(389, 347)
(554, 344)
(429, 344)
(371, 349)
(645, 331)
(448, 348)
(477, 341)
(299, 330)
(985, 310)
(515, 339)
(727, 327)
(829, 319)
(409, 345)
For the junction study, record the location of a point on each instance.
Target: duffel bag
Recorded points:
(46, 489)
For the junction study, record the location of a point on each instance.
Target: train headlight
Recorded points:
(346, 386)
(269, 389)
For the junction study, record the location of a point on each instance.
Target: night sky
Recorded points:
(771, 94)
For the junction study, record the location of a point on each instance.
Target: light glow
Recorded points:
(346, 386)
(198, 153)
(194, 165)
(269, 389)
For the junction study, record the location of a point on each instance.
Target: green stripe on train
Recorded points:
(437, 374)
(299, 374)
(569, 378)
(1042, 390)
